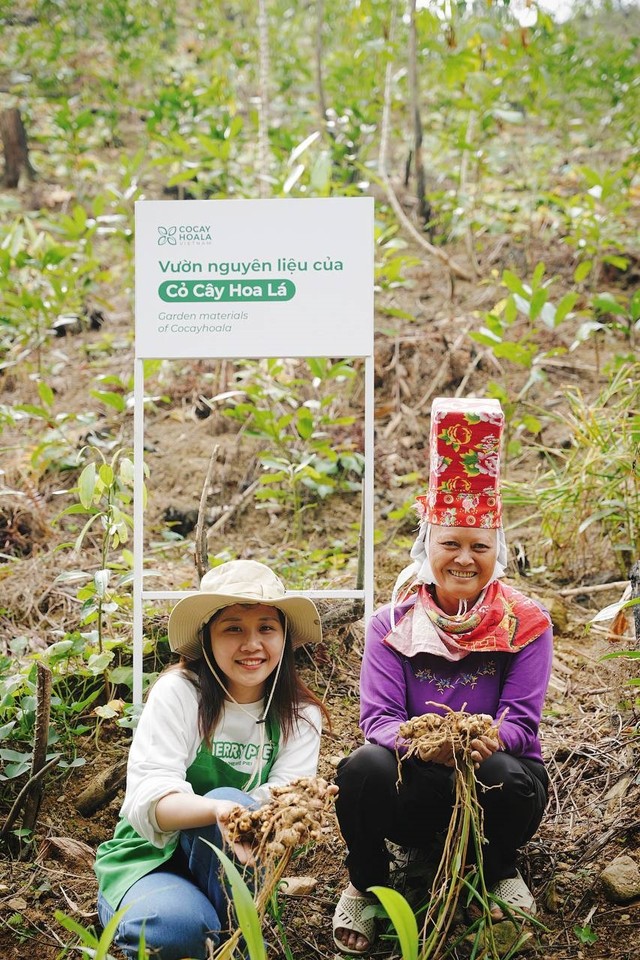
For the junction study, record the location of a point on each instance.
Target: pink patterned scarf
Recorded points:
(502, 620)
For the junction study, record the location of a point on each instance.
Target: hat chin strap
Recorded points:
(256, 769)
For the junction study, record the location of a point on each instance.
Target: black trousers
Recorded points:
(371, 809)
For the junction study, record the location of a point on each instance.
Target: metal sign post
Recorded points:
(251, 279)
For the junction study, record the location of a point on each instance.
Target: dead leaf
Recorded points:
(297, 886)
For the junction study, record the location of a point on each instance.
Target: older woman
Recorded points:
(460, 639)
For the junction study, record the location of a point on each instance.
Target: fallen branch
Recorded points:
(593, 588)
(454, 267)
(339, 613)
(102, 789)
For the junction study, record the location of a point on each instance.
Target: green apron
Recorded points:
(127, 856)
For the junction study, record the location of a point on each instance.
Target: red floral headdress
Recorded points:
(464, 464)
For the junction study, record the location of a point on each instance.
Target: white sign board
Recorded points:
(254, 278)
(251, 279)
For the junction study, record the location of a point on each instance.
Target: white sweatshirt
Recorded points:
(167, 740)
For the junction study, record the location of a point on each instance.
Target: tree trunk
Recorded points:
(16, 151)
(424, 209)
(634, 578)
(41, 737)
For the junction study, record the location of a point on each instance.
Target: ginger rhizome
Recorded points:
(427, 734)
(293, 817)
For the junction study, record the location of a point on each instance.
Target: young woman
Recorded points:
(220, 728)
(463, 640)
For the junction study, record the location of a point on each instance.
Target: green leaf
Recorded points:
(110, 399)
(585, 935)
(46, 394)
(12, 770)
(305, 423)
(99, 948)
(106, 474)
(245, 908)
(538, 300)
(510, 310)
(98, 662)
(620, 262)
(513, 283)
(87, 485)
(14, 755)
(565, 306)
(400, 314)
(594, 518)
(78, 541)
(485, 337)
(402, 918)
(58, 651)
(515, 353)
(607, 303)
(6, 729)
(32, 409)
(185, 176)
(317, 366)
(531, 423)
(74, 927)
(273, 463)
(582, 271)
(548, 315)
(538, 274)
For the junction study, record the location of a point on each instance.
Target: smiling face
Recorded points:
(247, 642)
(462, 561)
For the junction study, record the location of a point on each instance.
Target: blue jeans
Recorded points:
(180, 904)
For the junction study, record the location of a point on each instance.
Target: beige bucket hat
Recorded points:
(239, 581)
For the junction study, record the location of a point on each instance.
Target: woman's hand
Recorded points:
(442, 754)
(483, 747)
(242, 851)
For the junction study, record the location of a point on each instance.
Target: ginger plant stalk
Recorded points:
(424, 737)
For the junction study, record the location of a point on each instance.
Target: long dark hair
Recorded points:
(289, 696)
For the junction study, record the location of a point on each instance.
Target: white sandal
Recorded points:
(349, 916)
(514, 892)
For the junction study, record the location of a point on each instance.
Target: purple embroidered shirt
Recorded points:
(394, 687)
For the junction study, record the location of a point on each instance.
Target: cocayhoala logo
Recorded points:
(184, 233)
(167, 235)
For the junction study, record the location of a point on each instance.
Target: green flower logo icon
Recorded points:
(167, 235)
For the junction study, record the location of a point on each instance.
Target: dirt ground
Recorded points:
(590, 742)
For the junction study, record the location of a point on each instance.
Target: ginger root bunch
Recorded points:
(293, 817)
(424, 736)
